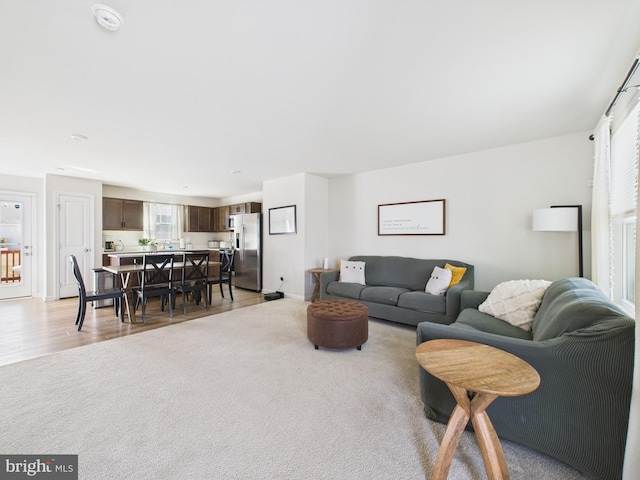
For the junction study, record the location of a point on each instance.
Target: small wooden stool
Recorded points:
(476, 374)
(337, 324)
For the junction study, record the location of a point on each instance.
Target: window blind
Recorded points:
(624, 164)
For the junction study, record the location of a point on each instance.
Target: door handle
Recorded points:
(86, 250)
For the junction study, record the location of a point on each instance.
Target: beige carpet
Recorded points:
(239, 395)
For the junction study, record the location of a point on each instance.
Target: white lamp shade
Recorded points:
(558, 219)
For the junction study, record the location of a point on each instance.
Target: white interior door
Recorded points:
(75, 227)
(16, 249)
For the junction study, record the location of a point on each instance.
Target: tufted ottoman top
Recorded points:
(337, 310)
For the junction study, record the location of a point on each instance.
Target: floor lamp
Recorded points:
(561, 218)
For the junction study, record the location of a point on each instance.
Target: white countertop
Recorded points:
(139, 253)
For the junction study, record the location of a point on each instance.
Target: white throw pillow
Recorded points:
(439, 282)
(516, 301)
(352, 272)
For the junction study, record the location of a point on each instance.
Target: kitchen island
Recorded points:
(134, 257)
(127, 281)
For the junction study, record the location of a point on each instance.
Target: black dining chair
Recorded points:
(194, 278)
(226, 272)
(157, 281)
(85, 297)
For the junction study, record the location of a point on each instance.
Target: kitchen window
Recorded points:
(163, 222)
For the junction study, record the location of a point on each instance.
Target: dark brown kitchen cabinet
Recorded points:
(121, 214)
(215, 220)
(198, 219)
(248, 207)
(222, 219)
(252, 207)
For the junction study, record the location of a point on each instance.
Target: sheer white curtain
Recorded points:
(163, 221)
(601, 227)
(149, 219)
(631, 468)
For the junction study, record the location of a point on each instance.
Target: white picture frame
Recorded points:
(426, 217)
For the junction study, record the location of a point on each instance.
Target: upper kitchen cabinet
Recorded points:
(222, 219)
(121, 214)
(235, 209)
(198, 219)
(249, 207)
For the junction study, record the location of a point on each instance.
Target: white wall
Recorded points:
(291, 256)
(316, 223)
(29, 185)
(490, 197)
(249, 197)
(283, 255)
(131, 194)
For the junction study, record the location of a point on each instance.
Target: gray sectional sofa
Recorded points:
(582, 345)
(395, 289)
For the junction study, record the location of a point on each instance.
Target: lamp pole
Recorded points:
(580, 260)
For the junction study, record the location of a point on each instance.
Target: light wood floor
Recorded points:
(31, 327)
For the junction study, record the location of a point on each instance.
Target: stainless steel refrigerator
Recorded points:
(247, 234)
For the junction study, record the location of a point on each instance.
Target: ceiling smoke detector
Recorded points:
(107, 17)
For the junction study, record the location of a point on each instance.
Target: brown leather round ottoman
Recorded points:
(337, 324)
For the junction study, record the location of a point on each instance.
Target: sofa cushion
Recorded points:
(571, 304)
(385, 295)
(344, 289)
(471, 318)
(423, 302)
(352, 272)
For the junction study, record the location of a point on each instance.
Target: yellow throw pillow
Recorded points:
(456, 273)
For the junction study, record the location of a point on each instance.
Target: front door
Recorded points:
(16, 249)
(75, 227)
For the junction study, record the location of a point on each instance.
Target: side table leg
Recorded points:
(457, 423)
(316, 289)
(490, 447)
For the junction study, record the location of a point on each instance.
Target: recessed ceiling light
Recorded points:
(107, 17)
(235, 171)
(78, 137)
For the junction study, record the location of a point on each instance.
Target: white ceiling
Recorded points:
(185, 92)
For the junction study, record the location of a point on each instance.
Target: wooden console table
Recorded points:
(476, 374)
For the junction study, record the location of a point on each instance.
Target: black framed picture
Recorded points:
(282, 220)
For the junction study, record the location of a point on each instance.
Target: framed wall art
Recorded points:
(425, 217)
(282, 220)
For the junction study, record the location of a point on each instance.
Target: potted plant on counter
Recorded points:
(148, 244)
(144, 243)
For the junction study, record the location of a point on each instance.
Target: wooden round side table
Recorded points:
(476, 374)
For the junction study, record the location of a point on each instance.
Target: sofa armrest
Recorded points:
(453, 298)
(325, 279)
(472, 299)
